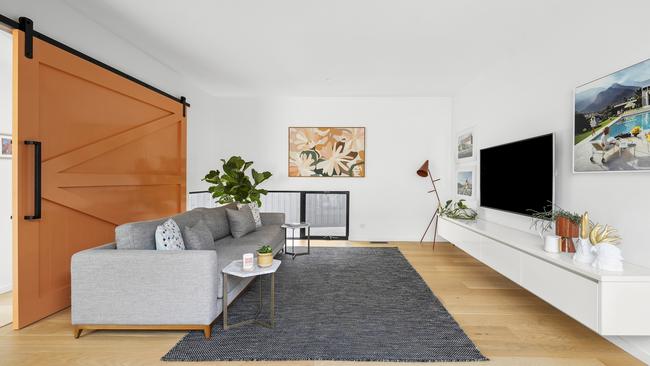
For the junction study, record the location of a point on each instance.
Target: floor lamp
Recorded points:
(425, 172)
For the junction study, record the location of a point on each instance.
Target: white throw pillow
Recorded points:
(168, 236)
(255, 210)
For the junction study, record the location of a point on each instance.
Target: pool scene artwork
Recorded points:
(612, 122)
(5, 142)
(465, 183)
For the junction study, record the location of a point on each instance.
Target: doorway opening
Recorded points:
(6, 262)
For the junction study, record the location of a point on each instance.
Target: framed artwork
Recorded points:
(611, 126)
(5, 146)
(327, 152)
(465, 182)
(465, 150)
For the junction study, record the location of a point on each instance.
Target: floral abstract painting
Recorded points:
(327, 151)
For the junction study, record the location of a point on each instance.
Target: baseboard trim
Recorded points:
(626, 345)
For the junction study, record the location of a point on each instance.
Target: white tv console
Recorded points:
(610, 303)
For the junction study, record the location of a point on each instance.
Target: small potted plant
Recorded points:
(265, 256)
(457, 210)
(567, 224)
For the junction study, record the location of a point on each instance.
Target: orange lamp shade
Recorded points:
(424, 169)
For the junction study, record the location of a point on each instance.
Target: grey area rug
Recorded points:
(345, 304)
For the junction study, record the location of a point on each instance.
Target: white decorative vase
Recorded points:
(552, 243)
(583, 252)
(608, 257)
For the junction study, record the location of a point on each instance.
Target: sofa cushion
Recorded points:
(216, 220)
(137, 235)
(169, 237)
(198, 237)
(142, 234)
(241, 221)
(255, 210)
(272, 235)
(272, 218)
(189, 218)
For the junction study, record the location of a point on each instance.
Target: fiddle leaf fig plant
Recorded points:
(233, 184)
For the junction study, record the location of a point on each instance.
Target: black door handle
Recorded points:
(37, 179)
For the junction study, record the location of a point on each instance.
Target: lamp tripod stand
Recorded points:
(425, 172)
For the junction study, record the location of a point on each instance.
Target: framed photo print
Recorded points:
(465, 147)
(611, 126)
(5, 146)
(465, 183)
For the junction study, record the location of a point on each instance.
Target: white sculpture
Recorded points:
(608, 257)
(584, 252)
(583, 245)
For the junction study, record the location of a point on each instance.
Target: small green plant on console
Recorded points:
(457, 210)
(543, 221)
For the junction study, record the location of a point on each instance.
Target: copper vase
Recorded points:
(567, 230)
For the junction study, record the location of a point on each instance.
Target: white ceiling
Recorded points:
(321, 47)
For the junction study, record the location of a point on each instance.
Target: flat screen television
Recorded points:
(518, 176)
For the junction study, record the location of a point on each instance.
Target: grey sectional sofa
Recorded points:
(129, 284)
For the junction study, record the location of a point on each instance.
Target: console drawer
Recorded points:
(451, 232)
(624, 308)
(501, 258)
(573, 294)
(467, 240)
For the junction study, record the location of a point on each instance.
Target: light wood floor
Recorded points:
(5, 308)
(508, 324)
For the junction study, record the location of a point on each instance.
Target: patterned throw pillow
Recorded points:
(255, 209)
(198, 237)
(168, 236)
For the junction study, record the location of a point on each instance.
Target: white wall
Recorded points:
(216, 128)
(5, 164)
(530, 93)
(58, 20)
(391, 202)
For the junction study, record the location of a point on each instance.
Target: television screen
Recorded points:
(518, 177)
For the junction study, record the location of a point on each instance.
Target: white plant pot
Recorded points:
(552, 243)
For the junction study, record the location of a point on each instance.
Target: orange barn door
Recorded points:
(111, 151)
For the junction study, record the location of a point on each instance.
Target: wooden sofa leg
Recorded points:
(77, 332)
(207, 331)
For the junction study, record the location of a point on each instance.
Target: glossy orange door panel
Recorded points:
(113, 151)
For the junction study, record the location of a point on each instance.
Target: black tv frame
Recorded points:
(509, 143)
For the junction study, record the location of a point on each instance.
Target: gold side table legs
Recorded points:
(260, 307)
